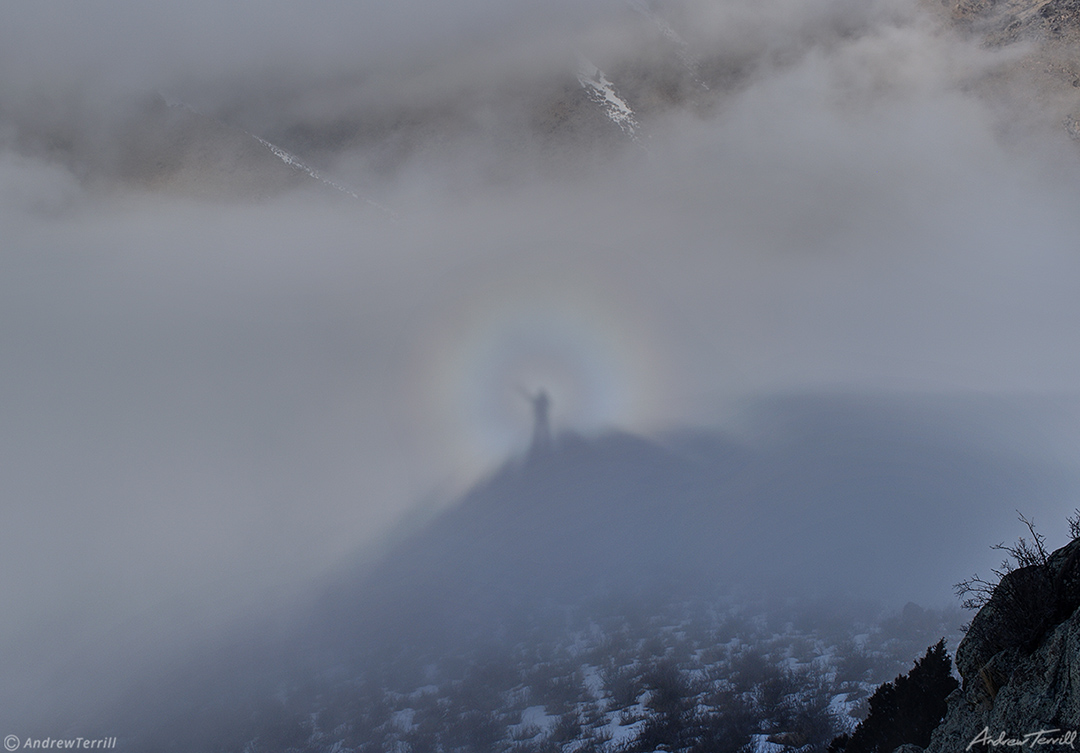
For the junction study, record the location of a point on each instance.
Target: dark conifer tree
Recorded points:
(905, 710)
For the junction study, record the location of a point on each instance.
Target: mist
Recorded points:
(224, 378)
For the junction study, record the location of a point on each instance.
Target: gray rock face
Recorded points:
(1016, 616)
(1020, 663)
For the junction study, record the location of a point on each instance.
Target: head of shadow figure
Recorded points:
(541, 433)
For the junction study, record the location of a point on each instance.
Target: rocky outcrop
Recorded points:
(1005, 21)
(1043, 77)
(1020, 663)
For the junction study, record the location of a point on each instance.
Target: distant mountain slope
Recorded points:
(254, 145)
(571, 110)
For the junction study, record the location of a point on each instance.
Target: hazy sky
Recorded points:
(206, 402)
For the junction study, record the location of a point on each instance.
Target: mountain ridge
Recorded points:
(553, 118)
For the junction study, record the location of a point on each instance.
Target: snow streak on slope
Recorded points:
(293, 161)
(602, 92)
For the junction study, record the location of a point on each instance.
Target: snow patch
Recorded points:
(624, 733)
(403, 720)
(423, 691)
(602, 92)
(593, 682)
(535, 722)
